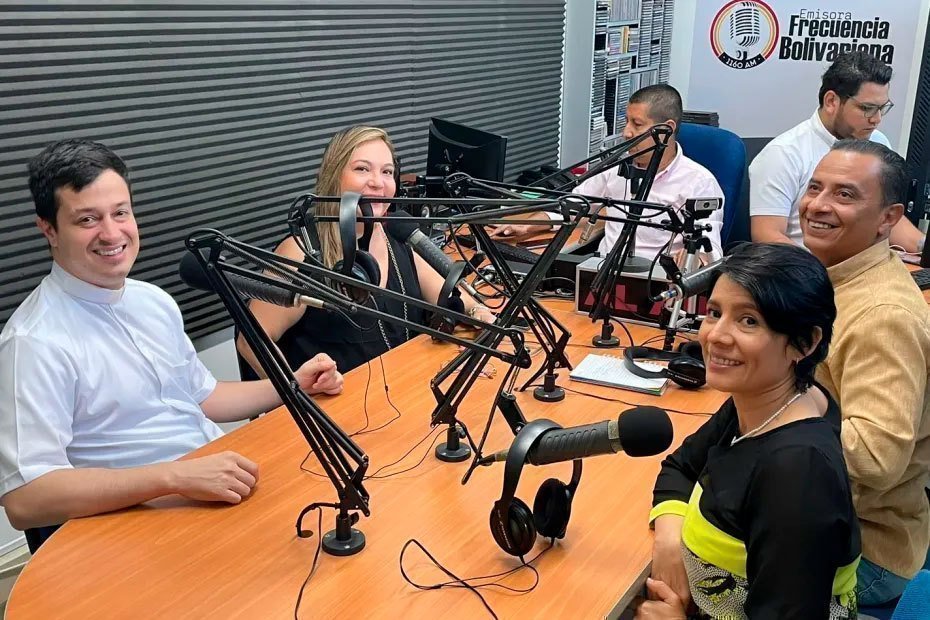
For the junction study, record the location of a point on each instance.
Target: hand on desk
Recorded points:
(483, 313)
(514, 231)
(665, 604)
(319, 375)
(224, 477)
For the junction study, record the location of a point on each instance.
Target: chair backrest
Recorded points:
(35, 536)
(915, 602)
(724, 154)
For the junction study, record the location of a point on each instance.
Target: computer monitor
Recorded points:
(458, 148)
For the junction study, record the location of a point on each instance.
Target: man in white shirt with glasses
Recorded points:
(853, 100)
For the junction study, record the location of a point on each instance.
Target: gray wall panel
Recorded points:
(222, 109)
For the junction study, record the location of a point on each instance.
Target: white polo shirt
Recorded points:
(92, 377)
(780, 173)
(682, 179)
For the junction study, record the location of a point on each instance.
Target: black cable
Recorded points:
(436, 435)
(649, 341)
(458, 582)
(387, 395)
(623, 402)
(551, 278)
(478, 274)
(316, 557)
(364, 401)
(621, 324)
(487, 426)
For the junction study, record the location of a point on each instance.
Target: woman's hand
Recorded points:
(668, 566)
(318, 375)
(482, 313)
(664, 604)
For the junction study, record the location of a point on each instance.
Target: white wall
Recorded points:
(908, 107)
(576, 82)
(683, 40)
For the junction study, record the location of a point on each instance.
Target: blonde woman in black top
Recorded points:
(358, 159)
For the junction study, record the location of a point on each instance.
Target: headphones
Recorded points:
(356, 262)
(513, 525)
(685, 366)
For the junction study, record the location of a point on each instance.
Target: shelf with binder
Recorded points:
(632, 47)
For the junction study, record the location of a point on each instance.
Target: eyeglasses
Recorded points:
(869, 110)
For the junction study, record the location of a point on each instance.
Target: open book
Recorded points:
(610, 371)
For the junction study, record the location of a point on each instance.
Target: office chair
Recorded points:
(915, 602)
(724, 154)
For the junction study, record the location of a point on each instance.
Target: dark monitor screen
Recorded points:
(457, 148)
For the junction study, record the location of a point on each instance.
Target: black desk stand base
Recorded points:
(453, 451)
(345, 539)
(606, 340)
(549, 392)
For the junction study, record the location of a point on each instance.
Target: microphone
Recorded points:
(695, 283)
(192, 274)
(640, 431)
(408, 232)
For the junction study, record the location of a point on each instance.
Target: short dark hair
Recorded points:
(664, 103)
(74, 163)
(793, 293)
(850, 71)
(894, 179)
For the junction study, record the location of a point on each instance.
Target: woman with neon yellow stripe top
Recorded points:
(753, 514)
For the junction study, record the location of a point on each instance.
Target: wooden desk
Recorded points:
(174, 558)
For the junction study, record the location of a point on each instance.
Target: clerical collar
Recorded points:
(83, 290)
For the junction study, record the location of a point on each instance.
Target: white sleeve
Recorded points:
(38, 387)
(201, 381)
(595, 186)
(774, 181)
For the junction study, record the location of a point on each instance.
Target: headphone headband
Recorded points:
(684, 368)
(516, 456)
(631, 354)
(348, 208)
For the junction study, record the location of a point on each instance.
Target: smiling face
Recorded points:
(741, 353)
(842, 212)
(370, 172)
(95, 237)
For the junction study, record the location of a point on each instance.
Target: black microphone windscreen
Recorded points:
(645, 431)
(399, 228)
(192, 273)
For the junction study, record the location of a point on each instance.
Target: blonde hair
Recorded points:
(336, 157)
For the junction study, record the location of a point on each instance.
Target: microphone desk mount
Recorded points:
(694, 241)
(468, 364)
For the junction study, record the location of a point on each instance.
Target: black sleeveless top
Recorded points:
(321, 331)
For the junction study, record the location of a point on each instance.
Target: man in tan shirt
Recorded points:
(878, 363)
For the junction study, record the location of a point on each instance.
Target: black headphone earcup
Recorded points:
(687, 372)
(368, 266)
(552, 508)
(365, 269)
(515, 533)
(691, 348)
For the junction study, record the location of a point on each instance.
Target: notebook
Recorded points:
(609, 371)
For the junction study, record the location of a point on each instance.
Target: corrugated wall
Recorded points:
(222, 110)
